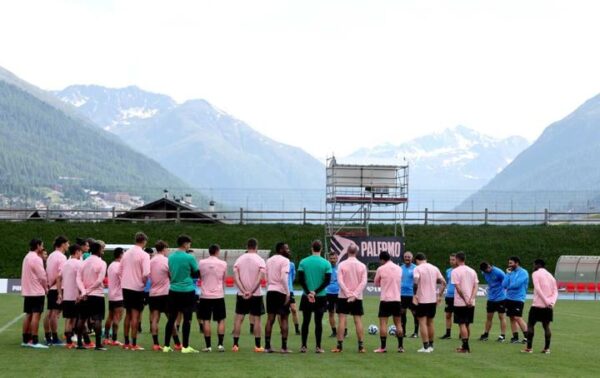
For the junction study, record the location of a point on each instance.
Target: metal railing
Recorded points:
(302, 216)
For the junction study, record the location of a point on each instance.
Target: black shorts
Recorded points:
(253, 306)
(387, 309)
(331, 302)
(52, 299)
(292, 298)
(92, 308)
(426, 310)
(211, 308)
(540, 314)
(449, 304)
(463, 314)
(113, 305)
(318, 306)
(133, 300)
(514, 308)
(496, 306)
(407, 302)
(350, 308)
(70, 309)
(146, 298)
(276, 303)
(181, 301)
(159, 303)
(33, 305)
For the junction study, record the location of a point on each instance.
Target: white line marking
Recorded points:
(11, 323)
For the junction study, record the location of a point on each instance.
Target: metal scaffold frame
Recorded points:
(352, 190)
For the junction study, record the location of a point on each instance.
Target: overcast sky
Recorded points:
(328, 76)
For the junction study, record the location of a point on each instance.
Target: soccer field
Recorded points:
(574, 352)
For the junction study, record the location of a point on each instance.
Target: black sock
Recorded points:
(207, 341)
(448, 331)
(297, 326)
(26, 337)
(267, 342)
(503, 335)
(401, 342)
(155, 339)
(251, 328)
(485, 334)
(134, 341)
(86, 338)
(547, 339)
(529, 340)
(221, 337)
(35, 339)
(126, 340)
(176, 340)
(178, 325)
(383, 341)
(465, 344)
(425, 345)
(55, 338)
(345, 332)
(68, 337)
(99, 339)
(114, 336)
(340, 344)
(236, 340)
(333, 330)
(79, 340)
(431, 343)
(284, 343)
(257, 342)
(515, 335)
(106, 332)
(48, 337)
(361, 344)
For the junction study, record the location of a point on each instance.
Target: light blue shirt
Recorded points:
(516, 284)
(494, 279)
(292, 276)
(450, 287)
(333, 287)
(408, 280)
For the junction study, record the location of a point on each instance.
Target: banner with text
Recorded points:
(369, 248)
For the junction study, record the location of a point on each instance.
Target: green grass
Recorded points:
(494, 243)
(574, 352)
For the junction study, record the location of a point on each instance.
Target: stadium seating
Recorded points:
(581, 287)
(570, 287)
(229, 281)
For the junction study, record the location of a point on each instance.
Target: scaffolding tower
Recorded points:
(353, 190)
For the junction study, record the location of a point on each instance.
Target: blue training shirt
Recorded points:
(494, 279)
(408, 280)
(450, 287)
(333, 287)
(292, 276)
(516, 284)
(148, 285)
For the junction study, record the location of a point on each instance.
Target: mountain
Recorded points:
(457, 158)
(113, 108)
(45, 147)
(201, 144)
(558, 171)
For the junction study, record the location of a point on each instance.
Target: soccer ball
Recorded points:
(392, 330)
(373, 329)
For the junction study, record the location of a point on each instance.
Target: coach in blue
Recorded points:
(407, 291)
(496, 297)
(516, 283)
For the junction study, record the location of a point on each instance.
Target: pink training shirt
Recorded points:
(278, 270)
(69, 279)
(389, 277)
(248, 267)
(212, 273)
(545, 289)
(464, 278)
(115, 292)
(33, 276)
(159, 275)
(91, 276)
(54, 264)
(352, 278)
(135, 269)
(426, 276)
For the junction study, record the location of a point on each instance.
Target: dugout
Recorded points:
(578, 274)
